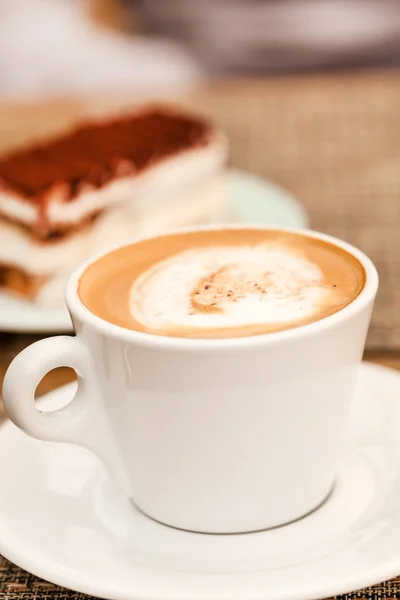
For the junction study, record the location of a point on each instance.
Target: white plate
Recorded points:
(251, 199)
(62, 519)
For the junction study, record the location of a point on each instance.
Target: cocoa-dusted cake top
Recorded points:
(94, 154)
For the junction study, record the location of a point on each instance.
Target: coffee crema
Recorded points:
(221, 283)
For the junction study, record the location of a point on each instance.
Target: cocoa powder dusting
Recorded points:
(95, 153)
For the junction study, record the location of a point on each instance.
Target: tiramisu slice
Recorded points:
(100, 185)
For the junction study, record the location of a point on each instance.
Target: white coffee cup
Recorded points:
(208, 435)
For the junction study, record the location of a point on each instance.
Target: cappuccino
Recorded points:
(221, 283)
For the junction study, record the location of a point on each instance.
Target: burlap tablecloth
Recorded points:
(334, 141)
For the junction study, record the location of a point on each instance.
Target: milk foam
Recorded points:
(224, 287)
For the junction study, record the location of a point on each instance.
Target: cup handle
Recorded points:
(83, 421)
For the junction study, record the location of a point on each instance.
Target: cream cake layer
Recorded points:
(158, 151)
(41, 266)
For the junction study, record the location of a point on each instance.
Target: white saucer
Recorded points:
(62, 519)
(251, 200)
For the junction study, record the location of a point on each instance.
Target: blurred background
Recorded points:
(307, 91)
(67, 46)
